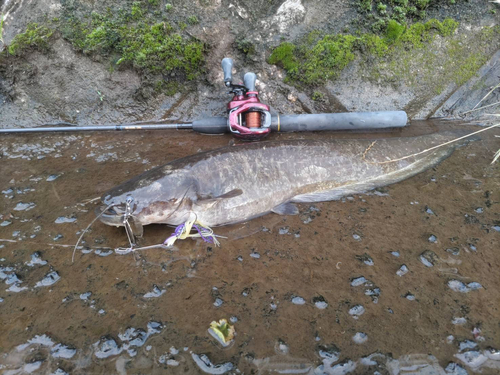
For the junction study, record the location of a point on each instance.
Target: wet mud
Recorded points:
(397, 281)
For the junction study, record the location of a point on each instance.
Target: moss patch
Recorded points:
(135, 37)
(377, 15)
(313, 61)
(35, 37)
(433, 64)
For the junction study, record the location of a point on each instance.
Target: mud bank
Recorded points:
(89, 72)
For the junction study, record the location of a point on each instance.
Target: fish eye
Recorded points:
(129, 199)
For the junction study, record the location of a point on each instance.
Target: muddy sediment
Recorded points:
(324, 288)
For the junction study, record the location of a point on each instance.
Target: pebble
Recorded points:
(255, 255)
(459, 286)
(36, 259)
(455, 369)
(284, 230)
(459, 321)
(103, 253)
(157, 292)
(366, 259)
(298, 301)
(453, 251)
(63, 220)
(403, 270)
(467, 344)
(205, 365)
(428, 258)
(409, 296)
(433, 239)
(24, 206)
(320, 302)
(360, 338)
(358, 281)
(356, 311)
(49, 279)
(85, 296)
(218, 302)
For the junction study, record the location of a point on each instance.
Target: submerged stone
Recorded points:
(360, 338)
(357, 281)
(298, 301)
(403, 270)
(49, 279)
(205, 365)
(356, 311)
(428, 258)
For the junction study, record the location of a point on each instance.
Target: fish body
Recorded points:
(237, 183)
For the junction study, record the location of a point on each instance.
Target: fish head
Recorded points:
(147, 201)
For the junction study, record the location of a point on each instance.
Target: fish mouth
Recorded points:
(111, 215)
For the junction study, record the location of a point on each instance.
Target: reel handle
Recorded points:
(227, 68)
(249, 81)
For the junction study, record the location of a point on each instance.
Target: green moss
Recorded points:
(315, 59)
(394, 31)
(423, 66)
(35, 37)
(402, 11)
(245, 46)
(318, 96)
(382, 9)
(134, 37)
(374, 45)
(193, 20)
(137, 10)
(284, 56)
(365, 6)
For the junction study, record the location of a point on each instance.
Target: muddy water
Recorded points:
(410, 272)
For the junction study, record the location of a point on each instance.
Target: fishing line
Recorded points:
(85, 231)
(424, 151)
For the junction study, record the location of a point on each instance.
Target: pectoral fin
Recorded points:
(286, 209)
(230, 194)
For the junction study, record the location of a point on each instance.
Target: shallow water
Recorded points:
(402, 280)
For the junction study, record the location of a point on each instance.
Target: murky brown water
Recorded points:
(170, 297)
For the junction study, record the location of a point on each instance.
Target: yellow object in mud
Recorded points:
(223, 330)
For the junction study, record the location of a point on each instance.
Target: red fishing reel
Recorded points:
(249, 119)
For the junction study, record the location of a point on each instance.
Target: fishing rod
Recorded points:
(249, 118)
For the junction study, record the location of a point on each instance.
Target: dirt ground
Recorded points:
(79, 318)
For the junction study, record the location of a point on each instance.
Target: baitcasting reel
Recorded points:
(249, 119)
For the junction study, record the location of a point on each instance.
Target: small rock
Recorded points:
(433, 239)
(428, 258)
(403, 270)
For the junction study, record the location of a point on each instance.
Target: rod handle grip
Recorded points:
(211, 125)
